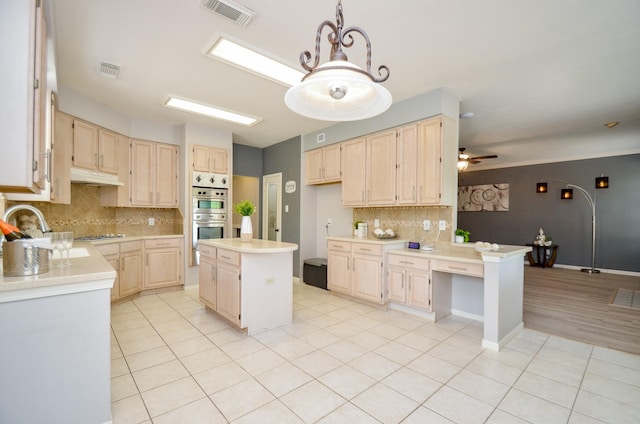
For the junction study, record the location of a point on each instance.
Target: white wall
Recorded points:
(329, 205)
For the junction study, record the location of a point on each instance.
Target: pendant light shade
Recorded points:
(602, 182)
(339, 90)
(541, 188)
(566, 193)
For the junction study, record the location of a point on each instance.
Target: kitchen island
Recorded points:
(55, 360)
(250, 284)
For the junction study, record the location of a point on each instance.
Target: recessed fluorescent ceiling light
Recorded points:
(252, 61)
(211, 111)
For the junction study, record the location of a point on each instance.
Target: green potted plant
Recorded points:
(462, 236)
(246, 209)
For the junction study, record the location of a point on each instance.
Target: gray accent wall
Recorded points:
(285, 157)
(568, 222)
(247, 161)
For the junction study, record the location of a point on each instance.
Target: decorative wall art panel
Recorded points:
(486, 197)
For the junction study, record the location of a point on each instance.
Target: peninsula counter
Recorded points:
(55, 361)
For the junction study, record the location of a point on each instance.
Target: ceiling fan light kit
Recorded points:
(339, 90)
(464, 159)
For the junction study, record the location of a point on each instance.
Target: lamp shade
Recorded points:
(338, 91)
(541, 188)
(602, 182)
(566, 193)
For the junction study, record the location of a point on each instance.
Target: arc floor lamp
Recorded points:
(566, 194)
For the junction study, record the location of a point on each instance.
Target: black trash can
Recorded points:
(314, 272)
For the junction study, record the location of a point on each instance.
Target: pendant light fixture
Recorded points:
(338, 90)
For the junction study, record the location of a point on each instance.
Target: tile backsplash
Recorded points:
(406, 222)
(85, 217)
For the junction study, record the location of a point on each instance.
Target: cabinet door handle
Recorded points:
(95, 160)
(225, 257)
(406, 262)
(365, 249)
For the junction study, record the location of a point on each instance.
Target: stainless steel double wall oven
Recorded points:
(210, 208)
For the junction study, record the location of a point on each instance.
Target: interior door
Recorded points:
(272, 207)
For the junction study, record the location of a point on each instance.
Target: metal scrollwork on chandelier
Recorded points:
(339, 90)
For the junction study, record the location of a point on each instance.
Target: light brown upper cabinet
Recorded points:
(209, 159)
(154, 174)
(381, 168)
(410, 165)
(437, 153)
(61, 150)
(94, 147)
(354, 172)
(323, 165)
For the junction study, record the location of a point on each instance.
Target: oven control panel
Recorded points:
(209, 180)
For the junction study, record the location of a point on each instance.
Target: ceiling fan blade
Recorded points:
(484, 157)
(473, 161)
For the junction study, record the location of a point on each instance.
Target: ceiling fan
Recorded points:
(464, 159)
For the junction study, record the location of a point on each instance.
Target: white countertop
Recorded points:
(88, 271)
(254, 246)
(131, 238)
(465, 253)
(370, 239)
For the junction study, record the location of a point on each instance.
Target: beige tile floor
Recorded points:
(344, 362)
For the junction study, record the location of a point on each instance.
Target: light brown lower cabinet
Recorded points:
(126, 259)
(357, 269)
(208, 276)
(163, 262)
(409, 281)
(228, 285)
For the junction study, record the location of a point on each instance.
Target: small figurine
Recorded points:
(541, 238)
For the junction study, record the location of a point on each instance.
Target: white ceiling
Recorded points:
(542, 77)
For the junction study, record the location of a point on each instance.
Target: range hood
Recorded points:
(87, 176)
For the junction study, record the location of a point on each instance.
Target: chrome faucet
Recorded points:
(44, 227)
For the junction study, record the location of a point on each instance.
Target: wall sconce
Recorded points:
(566, 193)
(602, 182)
(541, 188)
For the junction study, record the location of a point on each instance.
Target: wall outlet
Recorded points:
(152, 221)
(376, 223)
(329, 222)
(426, 225)
(442, 224)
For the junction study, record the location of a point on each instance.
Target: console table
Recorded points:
(541, 258)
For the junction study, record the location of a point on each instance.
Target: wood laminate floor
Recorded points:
(576, 305)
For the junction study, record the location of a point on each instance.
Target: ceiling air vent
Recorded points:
(109, 70)
(230, 10)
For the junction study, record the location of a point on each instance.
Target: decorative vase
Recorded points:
(459, 239)
(246, 230)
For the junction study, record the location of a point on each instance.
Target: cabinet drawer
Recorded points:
(454, 267)
(408, 262)
(162, 242)
(208, 251)
(130, 246)
(367, 249)
(229, 256)
(344, 246)
(108, 249)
